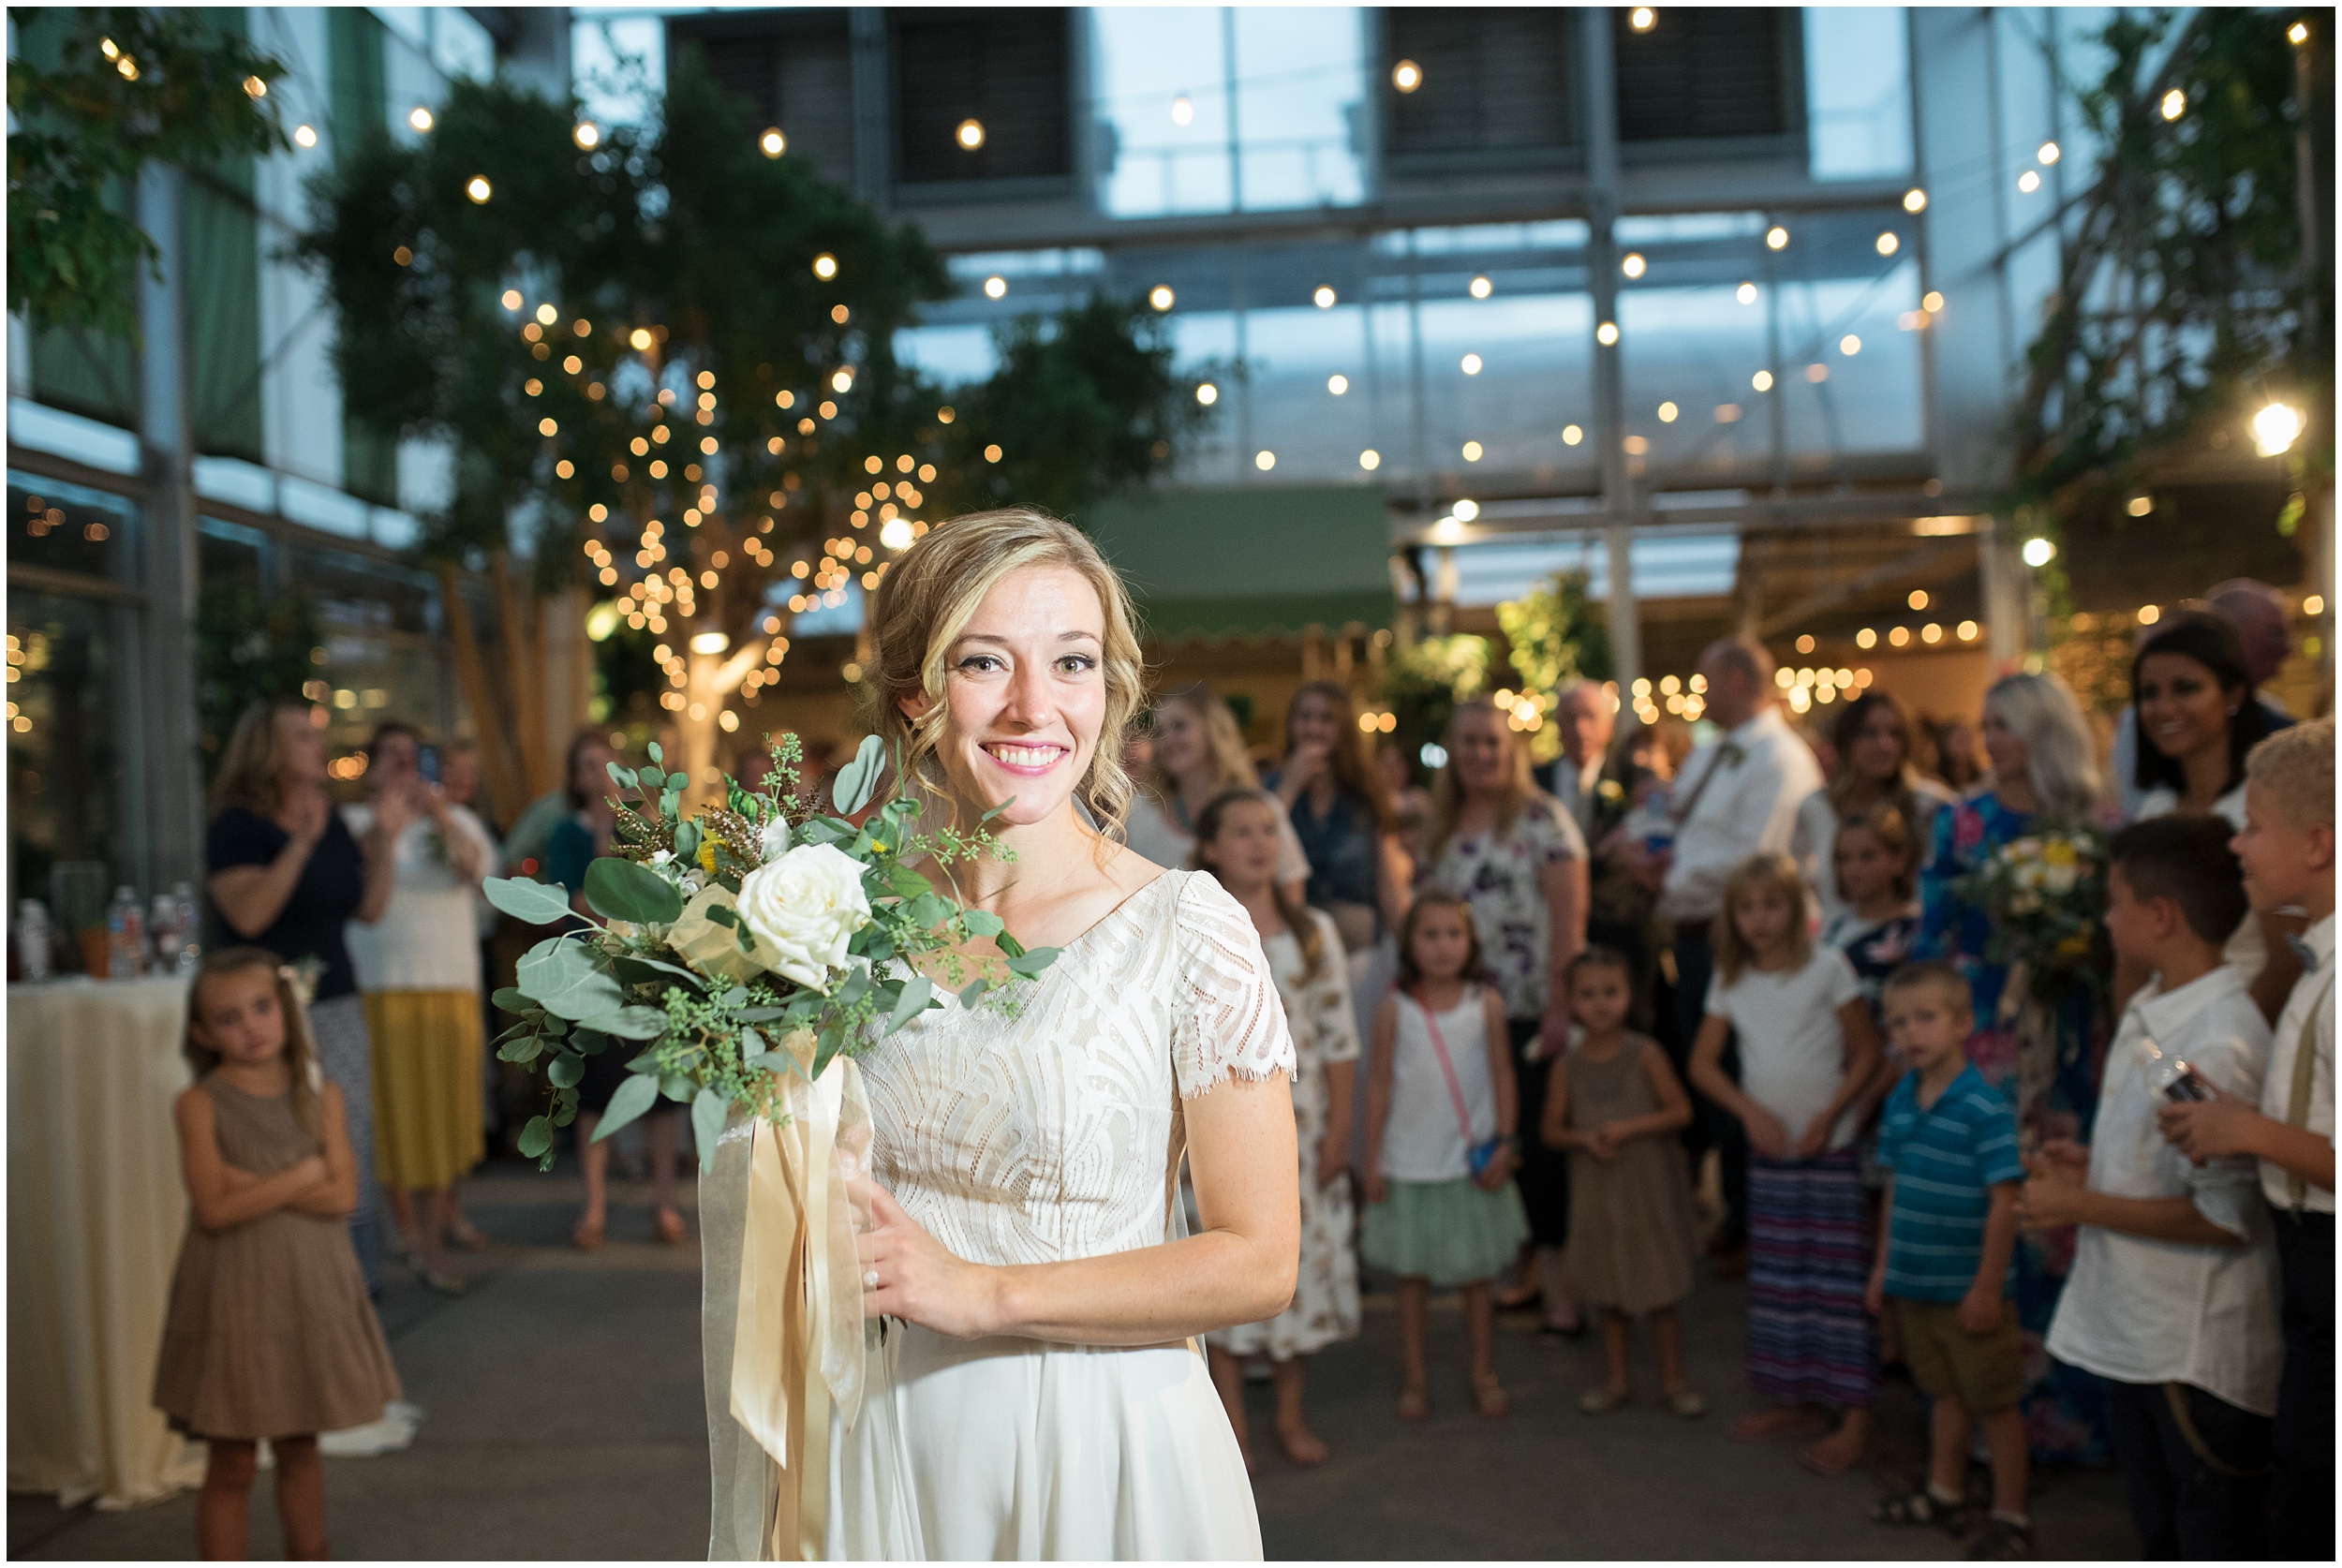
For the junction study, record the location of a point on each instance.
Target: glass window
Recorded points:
(70, 664)
(382, 626)
(1858, 92)
(68, 527)
(1166, 85)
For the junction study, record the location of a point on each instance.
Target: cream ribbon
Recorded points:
(798, 1348)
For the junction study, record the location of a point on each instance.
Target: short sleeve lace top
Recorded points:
(1051, 1127)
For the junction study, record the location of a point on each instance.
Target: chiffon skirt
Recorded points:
(1000, 1448)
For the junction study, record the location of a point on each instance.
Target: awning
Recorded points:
(1252, 562)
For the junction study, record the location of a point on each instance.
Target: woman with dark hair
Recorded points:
(1342, 813)
(419, 971)
(1872, 739)
(577, 840)
(2197, 717)
(285, 873)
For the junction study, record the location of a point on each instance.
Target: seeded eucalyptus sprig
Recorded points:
(711, 1028)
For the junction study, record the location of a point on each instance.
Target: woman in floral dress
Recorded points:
(2044, 775)
(1238, 842)
(1516, 855)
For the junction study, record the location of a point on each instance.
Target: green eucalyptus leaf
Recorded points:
(1033, 961)
(537, 1137)
(707, 1124)
(858, 781)
(686, 841)
(637, 970)
(1010, 946)
(528, 900)
(526, 1049)
(631, 1098)
(983, 923)
(619, 889)
(677, 1088)
(907, 882)
(566, 983)
(512, 999)
(565, 1113)
(566, 1070)
(589, 1041)
(913, 1002)
(653, 753)
(973, 990)
(630, 1023)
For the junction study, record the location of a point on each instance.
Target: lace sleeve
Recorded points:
(1226, 1021)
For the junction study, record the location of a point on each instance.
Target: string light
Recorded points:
(586, 134)
(1634, 265)
(2048, 155)
(2174, 104)
(478, 188)
(420, 118)
(1482, 287)
(2039, 552)
(1762, 380)
(1183, 111)
(825, 266)
(305, 135)
(1745, 293)
(1206, 394)
(1406, 76)
(1471, 364)
(1161, 297)
(995, 286)
(1889, 242)
(1471, 452)
(1642, 19)
(1264, 460)
(1370, 460)
(1323, 298)
(1337, 384)
(1776, 238)
(1606, 334)
(772, 144)
(2028, 182)
(1915, 201)
(1572, 435)
(969, 135)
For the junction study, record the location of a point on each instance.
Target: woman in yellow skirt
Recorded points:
(419, 968)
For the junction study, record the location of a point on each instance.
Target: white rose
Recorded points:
(805, 907)
(773, 841)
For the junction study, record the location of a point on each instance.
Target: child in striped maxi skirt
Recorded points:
(1808, 1052)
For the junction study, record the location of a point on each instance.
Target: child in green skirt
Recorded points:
(1441, 1109)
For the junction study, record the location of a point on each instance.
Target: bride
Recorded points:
(1047, 1397)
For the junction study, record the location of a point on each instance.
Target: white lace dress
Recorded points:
(1059, 1134)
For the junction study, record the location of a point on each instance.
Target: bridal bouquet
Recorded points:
(739, 946)
(2044, 894)
(746, 955)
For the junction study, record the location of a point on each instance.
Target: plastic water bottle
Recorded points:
(163, 920)
(32, 939)
(125, 936)
(190, 926)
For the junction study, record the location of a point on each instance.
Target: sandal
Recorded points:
(1519, 1298)
(1921, 1507)
(445, 1285)
(2001, 1541)
(1489, 1395)
(1602, 1401)
(1414, 1404)
(1687, 1403)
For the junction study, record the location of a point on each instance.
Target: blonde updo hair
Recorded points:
(925, 602)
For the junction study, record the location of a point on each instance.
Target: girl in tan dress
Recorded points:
(1615, 1105)
(270, 1334)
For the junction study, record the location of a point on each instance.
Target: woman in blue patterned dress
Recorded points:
(2044, 774)
(1515, 855)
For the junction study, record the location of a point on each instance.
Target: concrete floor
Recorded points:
(565, 1422)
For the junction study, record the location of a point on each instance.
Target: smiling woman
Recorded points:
(1026, 1146)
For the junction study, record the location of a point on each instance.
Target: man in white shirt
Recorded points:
(2173, 1297)
(1737, 796)
(2287, 850)
(1582, 714)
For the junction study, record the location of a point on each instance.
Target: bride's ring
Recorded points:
(869, 1281)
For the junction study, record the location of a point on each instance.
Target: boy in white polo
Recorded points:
(2287, 850)
(2173, 1296)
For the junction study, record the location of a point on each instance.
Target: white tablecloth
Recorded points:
(95, 1212)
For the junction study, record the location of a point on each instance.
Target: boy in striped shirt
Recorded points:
(1947, 1224)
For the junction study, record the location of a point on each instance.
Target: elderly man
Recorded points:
(1737, 795)
(2264, 625)
(1583, 715)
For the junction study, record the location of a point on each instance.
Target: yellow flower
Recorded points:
(2059, 852)
(707, 856)
(877, 847)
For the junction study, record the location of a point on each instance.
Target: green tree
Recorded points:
(665, 363)
(96, 93)
(2185, 300)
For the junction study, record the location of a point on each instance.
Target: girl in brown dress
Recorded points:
(270, 1334)
(1615, 1105)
